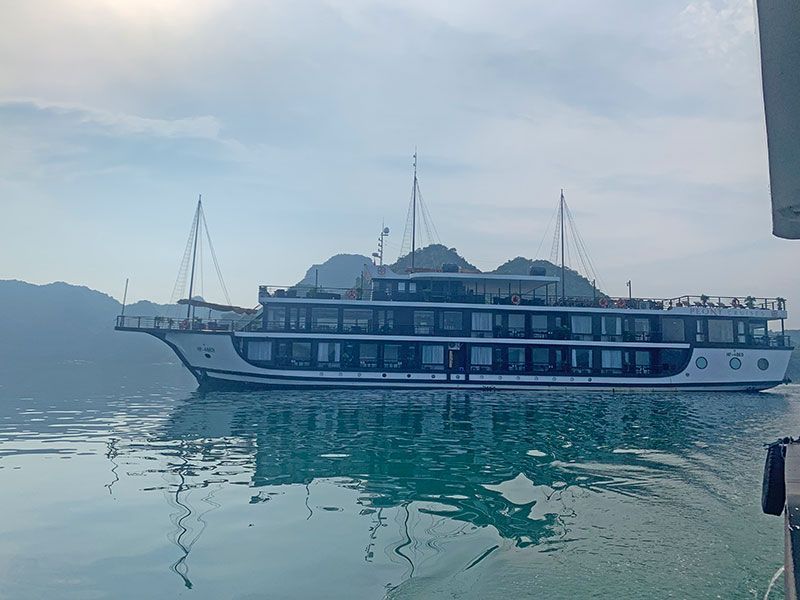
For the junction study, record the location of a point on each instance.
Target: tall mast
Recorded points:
(414, 214)
(194, 253)
(561, 209)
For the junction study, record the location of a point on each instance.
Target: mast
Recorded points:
(194, 253)
(414, 214)
(561, 218)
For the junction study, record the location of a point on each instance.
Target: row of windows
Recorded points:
(485, 323)
(457, 357)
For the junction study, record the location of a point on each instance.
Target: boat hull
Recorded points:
(215, 362)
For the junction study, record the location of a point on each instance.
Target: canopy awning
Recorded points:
(219, 307)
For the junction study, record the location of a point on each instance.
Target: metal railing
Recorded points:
(524, 299)
(195, 324)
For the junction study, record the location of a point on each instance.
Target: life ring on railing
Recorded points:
(184, 324)
(515, 299)
(620, 303)
(735, 303)
(381, 270)
(350, 294)
(603, 302)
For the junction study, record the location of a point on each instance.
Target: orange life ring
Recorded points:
(351, 294)
(620, 303)
(515, 299)
(381, 270)
(603, 302)
(735, 303)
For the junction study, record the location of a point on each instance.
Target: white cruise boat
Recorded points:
(465, 330)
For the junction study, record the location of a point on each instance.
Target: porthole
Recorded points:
(383, 375)
(701, 362)
(735, 363)
(208, 355)
(763, 364)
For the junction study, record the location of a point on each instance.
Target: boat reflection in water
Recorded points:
(427, 488)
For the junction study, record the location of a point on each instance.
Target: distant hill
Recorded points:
(60, 323)
(576, 284)
(338, 271)
(432, 257)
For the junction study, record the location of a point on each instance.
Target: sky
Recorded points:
(297, 120)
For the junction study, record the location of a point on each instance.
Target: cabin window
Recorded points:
(673, 360)
(741, 332)
(432, 356)
(540, 359)
(581, 327)
(643, 360)
(412, 287)
(324, 319)
(481, 358)
(758, 332)
(581, 360)
(368, 356)
(423, 322)
(611, 360)
(329, 354)
(301, 354)
(482, 324)
(297, 319)
(562, 359)
(452, 321)
(356, 321)
(700, 330)
(539, 325)
(611, 328)
(641, 329)
(276, 318)
(259, 351)
(391, 356)
(672, 329)
(720, 331)
(385, 321)
(516, 325)
(516, 358)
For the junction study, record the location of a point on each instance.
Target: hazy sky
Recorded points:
(296, 121)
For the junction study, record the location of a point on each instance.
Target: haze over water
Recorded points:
(135, 485)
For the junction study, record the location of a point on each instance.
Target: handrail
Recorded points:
(526, 299)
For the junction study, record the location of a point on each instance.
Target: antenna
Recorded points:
(561, 218)
(124, 297)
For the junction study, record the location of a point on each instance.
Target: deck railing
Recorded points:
(195, 324)
(510, 297)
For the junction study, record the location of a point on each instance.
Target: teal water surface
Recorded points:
(136, 485)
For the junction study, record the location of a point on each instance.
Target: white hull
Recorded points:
(212, 358)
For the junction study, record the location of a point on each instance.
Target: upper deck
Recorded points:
(381, 286)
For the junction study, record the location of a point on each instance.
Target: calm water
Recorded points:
(136, 486)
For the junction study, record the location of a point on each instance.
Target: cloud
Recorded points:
(202, 127)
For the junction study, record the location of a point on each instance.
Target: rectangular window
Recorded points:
(539, 326)
(611, 327)
(672, 329)
(611, 360)
(432, 356)
(720, 331)
(259, 351)
(641, 329)
(385, 321)
(700, 330)
(297, 319)
(482, 324)
(480, 358)
(452, 321)
(423, 322)
(758, 332)
(324, 319)
(329, 354)
(368, 356)
(516, 358)
(276, 318)
(356, 320)
(540, 359)
(581, 327)
(643, 359)
(301, 354)
(741, 332)
(391, 356)
(516, 325)
(581, 360)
